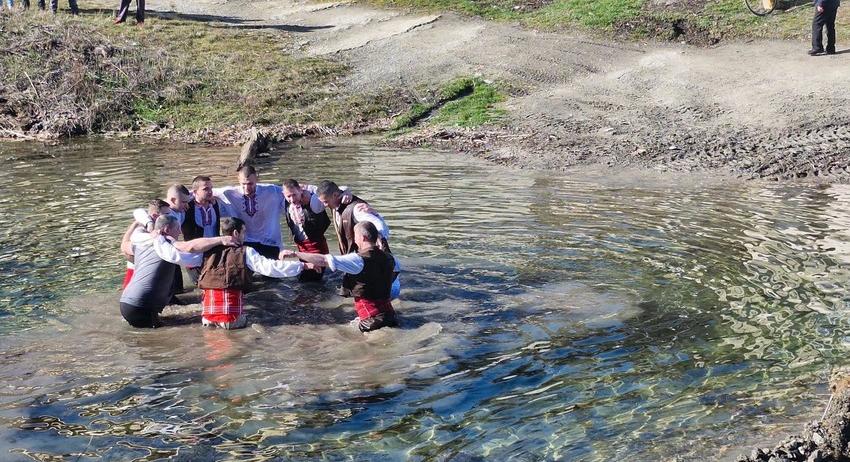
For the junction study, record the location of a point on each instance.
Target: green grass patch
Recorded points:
(463, 102)
(475, 109)
(599, 14)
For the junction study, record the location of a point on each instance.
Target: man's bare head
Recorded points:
(202, 189)
(247, 176)
(158, 207)
(167, 225)
(177, 197)
(330, 194)
(365, 234)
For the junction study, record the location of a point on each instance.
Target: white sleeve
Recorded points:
(376, 220)
(271, 268)
(169, 253)
(316, 205)
(224, 205)
(141, 216)
(350, 263)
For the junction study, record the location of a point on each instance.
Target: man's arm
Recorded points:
(141, 216)
(126, 246)
(271, 268)
(349, 264)
(202, 244)
(165, 250)
(374, 218)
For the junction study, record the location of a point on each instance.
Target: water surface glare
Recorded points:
(545, 317)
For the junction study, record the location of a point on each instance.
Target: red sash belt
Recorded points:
(308, 246)
(222, 305)
(367, 308)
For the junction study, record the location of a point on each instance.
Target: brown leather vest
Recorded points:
(225, 268)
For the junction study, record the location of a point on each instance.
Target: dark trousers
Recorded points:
(124, 8)
(268, 251)
(378, 321)
(54, 5)
(827, 18)
(138, 316)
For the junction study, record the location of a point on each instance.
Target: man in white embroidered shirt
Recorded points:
(369, 276)
(260, 206)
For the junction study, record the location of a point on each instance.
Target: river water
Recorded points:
(545, 316)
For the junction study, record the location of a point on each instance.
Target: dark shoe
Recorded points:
(118, 21)
(814, 52)
(830, 52)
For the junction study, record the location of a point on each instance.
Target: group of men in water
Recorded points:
(232, 232)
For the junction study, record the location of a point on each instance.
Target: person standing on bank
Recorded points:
(226, 276)
(156, 259)
(124, 8)
(369, 276)
(825, 12)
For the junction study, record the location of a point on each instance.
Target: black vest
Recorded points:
(193, 230)
(376, 280)
(315, 224)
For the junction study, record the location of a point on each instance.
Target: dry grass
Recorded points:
(66, 76)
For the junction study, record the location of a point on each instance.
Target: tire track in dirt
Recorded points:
(754, 110)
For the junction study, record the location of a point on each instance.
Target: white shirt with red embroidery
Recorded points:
(205, 217)
(261, 212)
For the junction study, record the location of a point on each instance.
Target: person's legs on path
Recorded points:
(830, 28)
(817, 32)
(140, 11)
(123, 8)
(75, 9)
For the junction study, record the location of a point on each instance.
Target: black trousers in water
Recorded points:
(268, 251)
(54, 5)
(124, 8)
(827, 18)
(378, 321)
(138, 316)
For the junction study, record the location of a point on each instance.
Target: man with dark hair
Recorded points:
(308, 221)
(825, 13)
(369, 275)
(260, 206)
(203, 216)
(226, 276)
(157, 256)
(346, 217)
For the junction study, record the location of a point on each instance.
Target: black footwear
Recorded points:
(814, 52)
(830, 52)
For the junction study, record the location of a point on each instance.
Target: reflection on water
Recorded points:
(544, 317)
